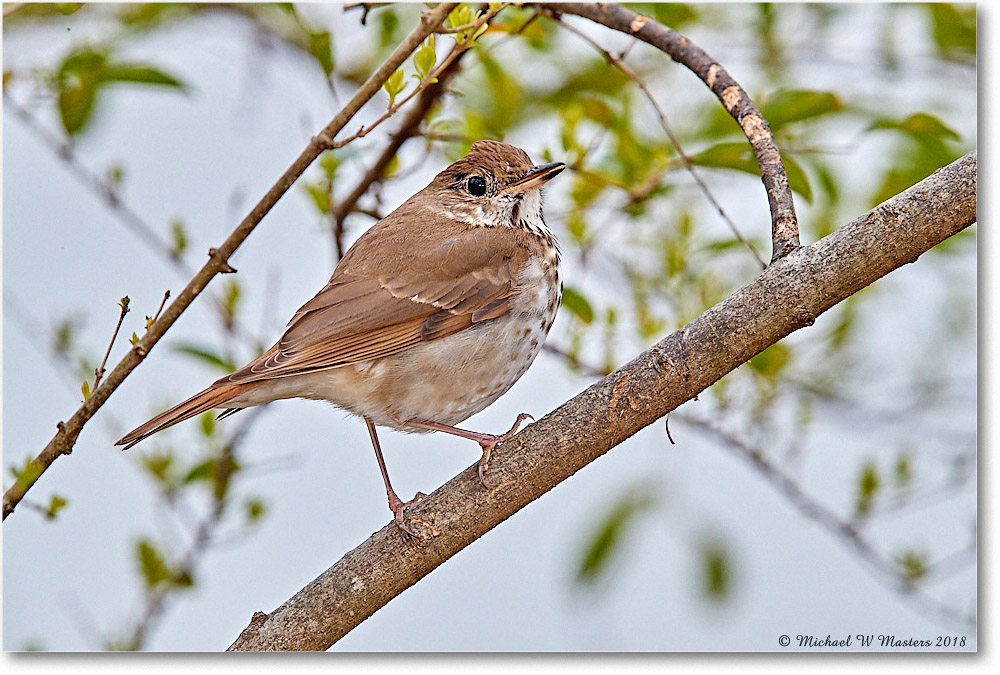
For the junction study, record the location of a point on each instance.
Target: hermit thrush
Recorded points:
(431, 316)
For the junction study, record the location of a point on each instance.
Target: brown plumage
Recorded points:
(430, 316)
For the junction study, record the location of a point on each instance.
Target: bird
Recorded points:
(429, 317)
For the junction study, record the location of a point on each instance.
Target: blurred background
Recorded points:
(828, 486)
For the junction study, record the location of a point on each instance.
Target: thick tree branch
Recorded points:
(64, 440)
(784, 225)
(788, 295)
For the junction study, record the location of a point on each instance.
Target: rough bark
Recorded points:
(787, 296)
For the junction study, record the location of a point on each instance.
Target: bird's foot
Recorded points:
(490, 441)
(398, 507)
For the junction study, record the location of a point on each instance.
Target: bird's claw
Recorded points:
(398, 507)
(491, 442)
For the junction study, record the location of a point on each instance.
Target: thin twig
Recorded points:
(686, 159)
(101, 187)
(99, 372)
(844, 530)
(424, 83)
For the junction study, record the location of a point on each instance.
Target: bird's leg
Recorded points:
(397, 505)
(486, 441)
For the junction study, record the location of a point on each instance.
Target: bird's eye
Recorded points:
(477, 186)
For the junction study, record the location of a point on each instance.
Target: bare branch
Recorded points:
(67, 432)
(784, 225)
(99, 371)
(787, 296)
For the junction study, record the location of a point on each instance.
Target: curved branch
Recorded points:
(784, 225)
(64, 440)
(788, 295)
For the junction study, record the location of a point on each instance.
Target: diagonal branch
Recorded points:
(784, 225)
(409, 127)
(64, 440)
(787, 296)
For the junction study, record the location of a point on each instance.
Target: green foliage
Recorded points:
(26, 475)
(869, 484)
(912, 565)
(925, 144)
(574, 302)
(254, 510)
(607, 537)
(716, 570)
(205, 355)
(795, 105)
(395, 86)
(85, 388)
(178, 238)
(155, 569)
(771, 362)
(954, 30)
(739, 157)
(86, 71)
(424, 59)
(56, 504)
(672, 14)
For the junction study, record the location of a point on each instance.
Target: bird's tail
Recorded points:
(213, 397)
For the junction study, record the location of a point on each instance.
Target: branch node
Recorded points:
(224, 266)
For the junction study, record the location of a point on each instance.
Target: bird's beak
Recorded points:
(536, 178)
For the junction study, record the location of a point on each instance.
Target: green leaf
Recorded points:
(329, 163)
(77, 80)
(609, 533)
(27, 474)
(254, 510)
(920, 126)
(868, 487)
(123, 303)
(795, 105)
(578, 305)
(56, 504)
(320, 194)
(954, 30)
(425, 58)
(231, 299)
(152, 564)
(208, 424)
(740, 157)
(716, 570)
(201, 471)
(158, 465)
(134, 339)
(85, 388)
(770, 362)
(912, 565)
(140, 73)
(206, 355)
(670, 14)
(321, 47)
(395, 85)
(903, 471)
(178, 238)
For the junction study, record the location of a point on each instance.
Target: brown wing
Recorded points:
(377, 305)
